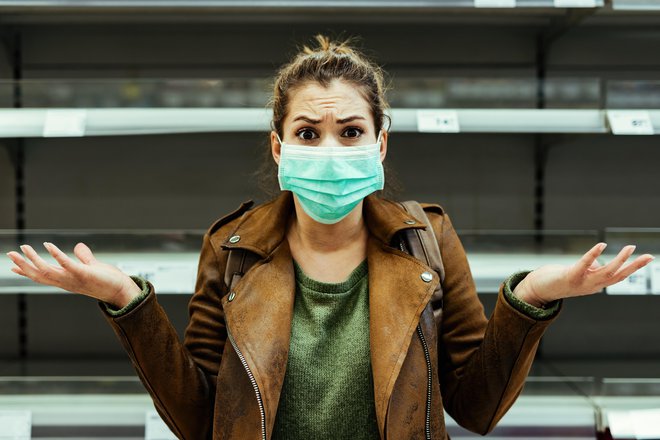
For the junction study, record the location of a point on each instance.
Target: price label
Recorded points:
(645, 423)
(654, 269)
(494, 3)
(620, 424)
(64, 122)
(638, 423)
(634, 284)
(575, 3)
(630, 122)
(437, 121)
(169, 276)
(156, 429)
(15, 425)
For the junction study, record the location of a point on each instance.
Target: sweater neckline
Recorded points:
(343, 286)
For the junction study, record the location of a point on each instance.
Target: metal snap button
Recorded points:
(427, 277)
(235, 239)
(232, 295)
(410, 222)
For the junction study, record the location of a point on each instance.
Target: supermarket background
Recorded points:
(133, 125)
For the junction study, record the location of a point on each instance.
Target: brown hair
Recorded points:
(330, 60)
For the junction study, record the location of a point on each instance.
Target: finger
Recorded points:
(64, 260)
(609, 270)
(28, 269)
(588, 260)
(630, 268)
(84, 253)
(18, 271)
(47, 270)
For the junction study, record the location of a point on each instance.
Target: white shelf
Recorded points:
(81, 410)
(34, 122)
(512, 120)
(256, 5)
(636, 5)
(546, 413)
(171, 273)
(31, 122)
(175, 273)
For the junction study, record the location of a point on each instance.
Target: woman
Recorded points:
(321, 328)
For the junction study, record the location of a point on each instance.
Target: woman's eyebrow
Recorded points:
(349, 119)
(318, 121)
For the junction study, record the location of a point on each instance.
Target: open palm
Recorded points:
(554, 281)
(89, 277)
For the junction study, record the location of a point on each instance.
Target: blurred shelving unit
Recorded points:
(87, 389)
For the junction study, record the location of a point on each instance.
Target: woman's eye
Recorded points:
(353, 132)
(307, 134)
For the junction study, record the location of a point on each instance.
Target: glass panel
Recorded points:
(633, 94)
(142, 93)
(406, 92)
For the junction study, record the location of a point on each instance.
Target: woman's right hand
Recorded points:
(89, 277)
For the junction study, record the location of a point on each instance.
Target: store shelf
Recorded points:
(288, 4)
(129, 121)
(551, 405)
(636, 5)
(175, 273)
(91, 407)
(539, 417)
(133, 121)
(504, 120)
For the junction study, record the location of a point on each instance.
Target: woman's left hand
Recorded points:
(555, 281)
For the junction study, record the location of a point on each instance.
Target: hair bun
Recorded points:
(325, 44)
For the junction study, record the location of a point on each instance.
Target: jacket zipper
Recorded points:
(429, 382)
(254, 384)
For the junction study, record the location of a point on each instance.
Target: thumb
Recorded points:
(84, 253)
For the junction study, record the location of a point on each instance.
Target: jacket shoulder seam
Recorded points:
(245, 206)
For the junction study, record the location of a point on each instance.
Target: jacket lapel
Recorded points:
(397, 297)
(259, 318)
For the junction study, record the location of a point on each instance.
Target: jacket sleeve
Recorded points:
(180, 377)
(483, 363)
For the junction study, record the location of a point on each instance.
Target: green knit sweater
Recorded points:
(328, 388)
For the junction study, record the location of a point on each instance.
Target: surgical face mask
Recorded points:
(330, 181)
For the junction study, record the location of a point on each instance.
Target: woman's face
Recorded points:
(328, 117)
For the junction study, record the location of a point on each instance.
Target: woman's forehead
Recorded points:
(339, 98)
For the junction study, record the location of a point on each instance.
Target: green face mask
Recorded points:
(330, 181)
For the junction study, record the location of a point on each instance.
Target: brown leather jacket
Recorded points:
(224, 380)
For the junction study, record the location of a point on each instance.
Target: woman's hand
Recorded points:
(90, 277)
(554, 281)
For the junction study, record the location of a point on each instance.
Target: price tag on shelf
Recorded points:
(156, 429)
(166, 276)
(635, 284)
(15, 425)
(638, 423)
(437, 121)
(494, 3)
(620, 424)
(630, 121)
(645, 423)
(654, 269)
(64, 122)
(575, 3)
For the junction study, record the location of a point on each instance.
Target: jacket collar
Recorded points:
(263, 228)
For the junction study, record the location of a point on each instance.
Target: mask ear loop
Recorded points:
(272, 127)
(380, 133)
